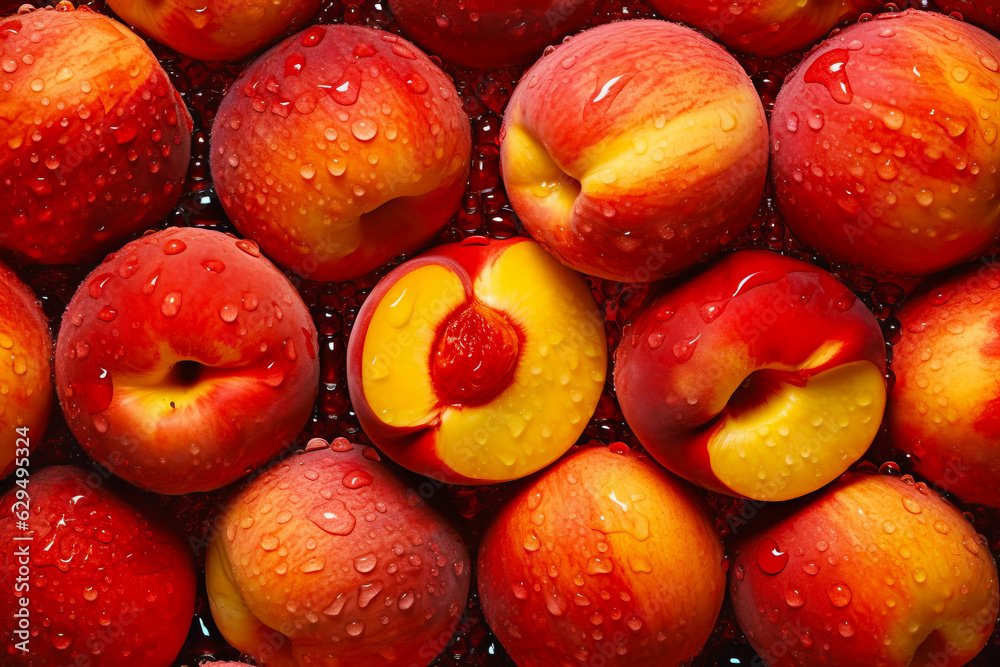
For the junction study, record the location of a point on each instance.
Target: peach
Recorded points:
(884, 144)
(477, 363)
(634, 150)
(96, 138)
(185, 360)
(604, 558)
(91, 580)
(339, 149)
(490, 33)
(765, 27)
(761, 377)
(216, 29)
(945, 406)
(328, 559)
(25, 374)
(871, 570)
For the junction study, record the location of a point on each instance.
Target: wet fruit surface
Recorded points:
(485, 211)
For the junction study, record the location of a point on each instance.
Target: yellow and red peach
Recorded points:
(25, 371)
(871, 570)
(96, 583)
(475, 363)
(216, 29)
(945, 405)
(603, 557)
(762, 377)
(884, 144)
(634, 150)
(489, 33)
(329, 559)
(339, 149)
(185, 360)
(96, 138)
(765, 27)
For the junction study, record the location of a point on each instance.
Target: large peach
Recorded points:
(25, 371)
(604, 558)
(871, 570)
(216, 29)
(762, 377)
(339, 149)
(634, 150)
(91, 580)
(477, 363)
(329, 560)
(96, 140)
(185, 360)
(884, 144)
(490, 33)
(945, 405)
(765, 27)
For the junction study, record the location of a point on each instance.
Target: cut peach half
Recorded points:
(478, 363)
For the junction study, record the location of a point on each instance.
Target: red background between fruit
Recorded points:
(485, 211)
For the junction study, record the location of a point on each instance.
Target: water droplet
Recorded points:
(312, 36)
(356, 479)
(840, 595)
(911, 505)
(770, 559)
(531, 541)
(364, 129)
(171, 304)
(368, 592)
(406, 600)
(555, 603)
(830, 70)
(356, 628)
(794, 597)
(228, 312)
(846, 629)
(365, 563)
(334, 518)
(269, 542)
(249, 247)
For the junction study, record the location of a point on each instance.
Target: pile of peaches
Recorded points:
(562, 333)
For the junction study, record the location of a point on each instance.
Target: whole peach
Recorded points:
(634, 150)
(945, 405)
(604, 558)
(871, 570)
(185, 359)
(884, 144)
(339, 149)
(217, 29)
(96, 138)
(329, 559)
(91, 580)
(25, 371)
(762, 376)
